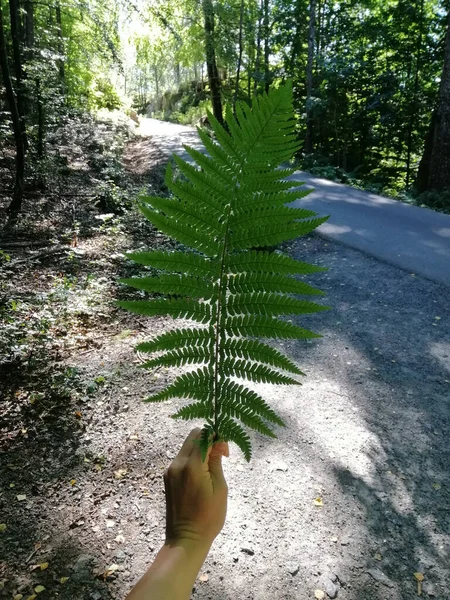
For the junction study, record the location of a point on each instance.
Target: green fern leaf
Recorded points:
(267, 262)
(179, 357)
(175, 307)
(181, 262)
(266, 327)
(254, 282)
(263, 303)
(198, 410)
(254, 372)
(195, 385)
(178, 338)
(182, 285)
(259, 352)
(231, 431)
(230, 200)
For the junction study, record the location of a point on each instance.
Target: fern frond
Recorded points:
(236, 392)
(178, 338)
(184, 285)
(181, 356)
(181, 262)
(271, 235)
(266, 327)
(175, 307)
(235, 408)
(235, 367)
(198, 410)
(270, 262)
(195, 385)
(231, 431)
(265, 282)
(228, 201)
(185, 234)
(259, 352)
(263, 303)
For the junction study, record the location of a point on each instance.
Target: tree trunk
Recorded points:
(61, 65)
(309, 147)
(210, 52)
(29, 24)
(439, 165)
(266, 46)
(16, 203)
(238, 68)
(258, 47)
(412, 118)
(16, 36)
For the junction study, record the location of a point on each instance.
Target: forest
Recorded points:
(371, 79)
(122, 265)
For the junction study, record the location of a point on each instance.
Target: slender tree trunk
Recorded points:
(414, 98)
(16, 36)
(266, 46)
(309, 147)
(16, 203)
(238, 68)
(439, 168)
(258, 46)
(61, 65)
(210, 52)
(29, 24)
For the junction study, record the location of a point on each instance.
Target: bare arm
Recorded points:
(196, 504)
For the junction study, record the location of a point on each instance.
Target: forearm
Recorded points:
(173, 572)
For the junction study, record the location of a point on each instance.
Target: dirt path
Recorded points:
(352, 498)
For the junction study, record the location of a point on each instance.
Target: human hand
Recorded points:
(196, 493)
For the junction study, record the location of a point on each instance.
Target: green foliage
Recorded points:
(232, 200)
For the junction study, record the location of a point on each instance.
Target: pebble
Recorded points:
(330, 588)
(248, 551)
(380, 577)
(293, 568)
(280, 465)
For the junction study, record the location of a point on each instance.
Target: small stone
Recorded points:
(380, 577)
(330, 588)
(110, 523)
(429, 589)
(293, 569)
(248, 551)
(120, 556)
(95, 596)
(279, 466)
(345, 541)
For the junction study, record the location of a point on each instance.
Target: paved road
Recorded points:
(411, 238)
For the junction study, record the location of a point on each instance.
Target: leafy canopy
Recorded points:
(231, 201)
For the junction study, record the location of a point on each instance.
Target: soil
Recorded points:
(353, 497)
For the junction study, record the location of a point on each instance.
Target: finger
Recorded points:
(188, 444)
(215, 463)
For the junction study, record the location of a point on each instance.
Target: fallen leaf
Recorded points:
(39, 588)
(2, 527)
(318, 502)
(378, 556)
(18, 597)
(33, 597)
(120, 473)
(319, 594)
(419, 576)
(63, 579)
(98, 467)
(437, 318)
(436, 486)
(203, 578)
(134, 437)
(2, 584)
(37, 546)
(73, 481)
(78, 414)
(21, 497)
(11, 485)
(43, 566)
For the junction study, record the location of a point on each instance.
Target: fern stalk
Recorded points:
(234, 199)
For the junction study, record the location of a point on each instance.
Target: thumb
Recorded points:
(215, 462)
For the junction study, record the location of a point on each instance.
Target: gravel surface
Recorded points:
(350, 501)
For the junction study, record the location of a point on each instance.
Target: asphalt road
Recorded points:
(409, 237)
